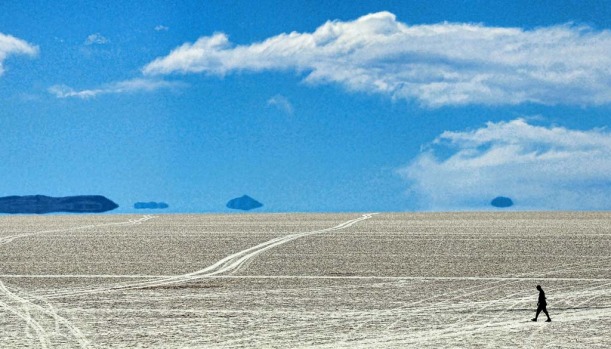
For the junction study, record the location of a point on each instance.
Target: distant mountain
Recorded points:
(39, 204)
(244, 203)
(150, 205)
(502, 202)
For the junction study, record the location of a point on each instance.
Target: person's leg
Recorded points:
(546, 314)
(538, 312)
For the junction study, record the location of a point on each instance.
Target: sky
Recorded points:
(308, 106)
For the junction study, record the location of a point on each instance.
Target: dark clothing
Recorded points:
(542, 306)
(542, 301)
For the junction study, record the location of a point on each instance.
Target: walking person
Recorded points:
(542, 305)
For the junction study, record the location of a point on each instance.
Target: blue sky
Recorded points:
(308, 106)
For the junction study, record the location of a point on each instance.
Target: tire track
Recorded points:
(485, 326)
(8, 239)
(566, 300)
(227, 265)
(460, 294)
(31, 324)
(520, 300)
(452, 331)
(44, 320)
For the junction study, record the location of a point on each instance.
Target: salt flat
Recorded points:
(388, 280)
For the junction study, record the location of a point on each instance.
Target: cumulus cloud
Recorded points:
(281, 103)
(96, 39)
(10, 45)
(538, 167)
(161, 28)
(127, 86)
(436, 65)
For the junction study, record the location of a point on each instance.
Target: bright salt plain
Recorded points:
(305, 280)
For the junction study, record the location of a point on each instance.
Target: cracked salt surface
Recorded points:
(389, 280)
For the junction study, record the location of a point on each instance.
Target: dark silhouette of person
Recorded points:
(542, 305)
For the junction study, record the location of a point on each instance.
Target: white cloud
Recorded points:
(10, 45)
(96, 39)
(436, 65)
(281, 103)
(127, 86)
(160, 28)
(539, 167)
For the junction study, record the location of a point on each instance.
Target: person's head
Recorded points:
(539, 287)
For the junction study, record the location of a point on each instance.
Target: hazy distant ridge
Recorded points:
(40, 204)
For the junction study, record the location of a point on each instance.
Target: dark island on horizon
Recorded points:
(40, 204)
(501, 202)
(152, 205)
(244, 203)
